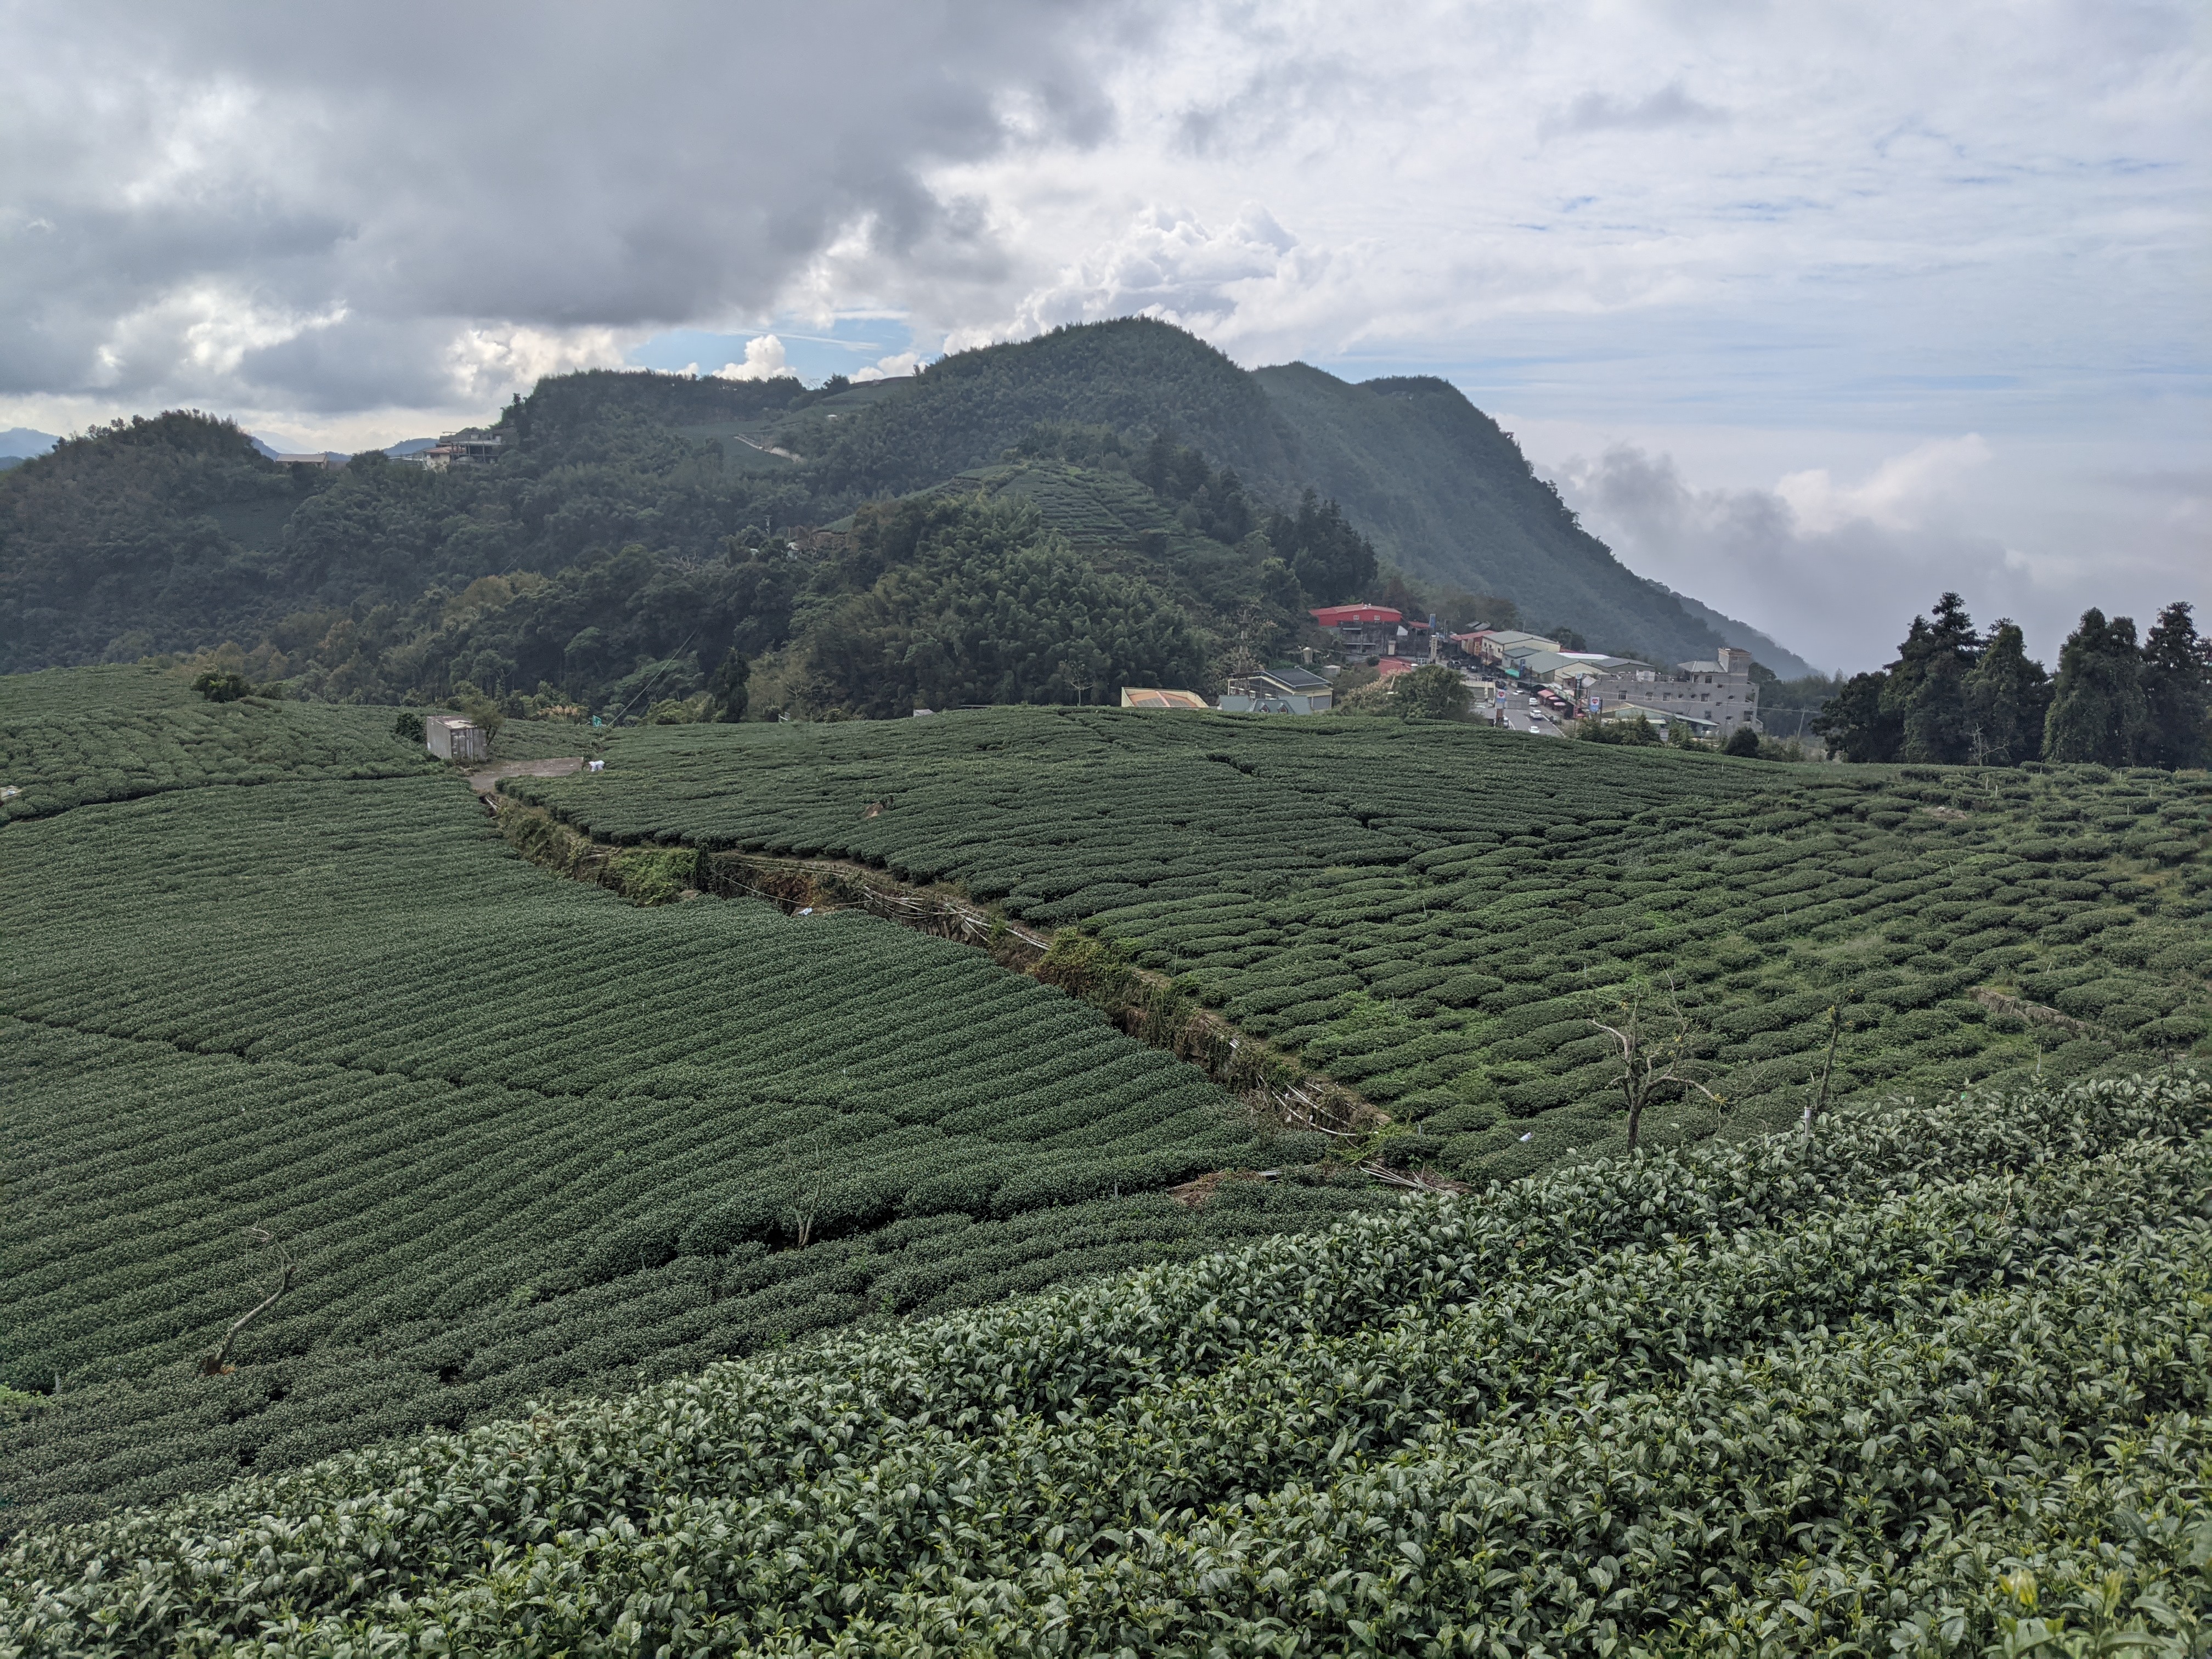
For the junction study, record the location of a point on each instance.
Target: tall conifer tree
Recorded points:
(2008, 697)
(1917, 708)
(1927, 684)
(2177, 686)
(2097, 711)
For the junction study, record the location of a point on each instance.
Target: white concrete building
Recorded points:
(1719, 693)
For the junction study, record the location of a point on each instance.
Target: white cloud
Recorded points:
(1168, 263)
(1668, 107)
(1865, 215)
(764, 360)
(899, 363)
(483, 363)
(1833, 570)
(1898, 494)
(1868, 215)
(328, 214)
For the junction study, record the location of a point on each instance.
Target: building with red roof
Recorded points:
(1376, 630)
(1335, 616)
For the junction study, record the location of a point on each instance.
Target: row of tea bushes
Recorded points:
(71, 736)
(1925, 1379)
(518, 1136)
(1062, 813)
(136, 732)
(1432, 915)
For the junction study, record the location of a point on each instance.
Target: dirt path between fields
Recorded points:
(484, 779)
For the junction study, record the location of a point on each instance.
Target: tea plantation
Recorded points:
(704, 1277)
(518, 1137)
(73, 735)
(70, 736)
(1431, 914)
(1925, 1380)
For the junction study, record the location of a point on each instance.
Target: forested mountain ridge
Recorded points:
(640, 521)
(1441, 490)
(1447, 496)
(172, 517)
(1132, 375)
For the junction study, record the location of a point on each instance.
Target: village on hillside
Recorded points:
(1524, 682)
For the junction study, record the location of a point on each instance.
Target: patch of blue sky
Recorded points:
(849, 345)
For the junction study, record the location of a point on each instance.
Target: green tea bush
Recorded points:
(1922, 1379)
(1402, 908)
(70, 736)
(521, 1138)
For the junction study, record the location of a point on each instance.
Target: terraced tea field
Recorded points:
(72, 736)
(1432, 914)
(518, 1137)
(1928, 1379)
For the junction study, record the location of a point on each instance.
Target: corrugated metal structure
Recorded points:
(1138, 696)
(455, 737)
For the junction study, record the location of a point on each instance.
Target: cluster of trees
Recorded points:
(1956, 696)
(136, 533)
(1325, 558)
(961, 599)
(1132, 375)
(608, 560)
(1432, 693)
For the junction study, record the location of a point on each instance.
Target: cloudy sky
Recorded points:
(1812, 309)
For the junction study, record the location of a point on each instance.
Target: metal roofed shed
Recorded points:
(1508, 647)
(1659, 719)
(455, 737)
(1335, 616)
(1134, 696)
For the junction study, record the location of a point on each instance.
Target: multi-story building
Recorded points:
(471, 446)
(1506, 647)
(1720, 692)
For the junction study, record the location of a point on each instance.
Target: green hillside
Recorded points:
(657, 507)
(175, 535)
(1440, 489)
(1447, 494)
(1135, 376)
(111, 534)
(519, 1137)
(1927, 1379)
(1435, 915)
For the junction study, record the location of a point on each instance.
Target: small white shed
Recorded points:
(455, 737)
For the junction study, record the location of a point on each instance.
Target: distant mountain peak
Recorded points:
(23, 441)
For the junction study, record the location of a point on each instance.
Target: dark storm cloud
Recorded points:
(315, 204)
